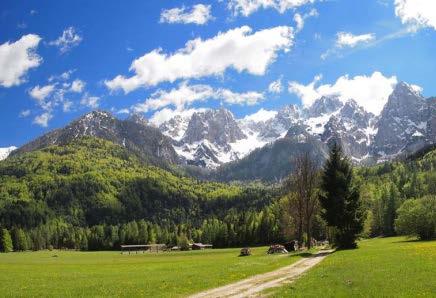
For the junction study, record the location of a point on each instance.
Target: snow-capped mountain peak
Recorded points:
(213, 137)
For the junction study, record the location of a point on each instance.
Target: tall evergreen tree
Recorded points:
(19, 239)
(340, 199)
(6, 241)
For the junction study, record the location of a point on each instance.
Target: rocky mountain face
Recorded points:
(211, 139)
(133, 133)
(206, 138)
(402, 124)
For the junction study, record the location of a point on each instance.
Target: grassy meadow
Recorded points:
(382, 267)
(172, 274)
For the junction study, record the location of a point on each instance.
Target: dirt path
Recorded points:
(253, 286)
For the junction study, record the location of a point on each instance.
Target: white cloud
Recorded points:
(62, 77)
(247, 7)
(239, 48)
(186, 95)
(123, 111)
(300, 19)
(77, 86)
(349, 40)
(17, 58)
(416, 13)
(247, 98)
(41, 93)
(370, 92)
(67, 40)
(346, 39)
(90, 101)
(261, 116)
(166, 114)
(182, 96)
(67, 105)
(25, 113)
(199, 14)
(43, 119)
(276, 86)
(52, 96)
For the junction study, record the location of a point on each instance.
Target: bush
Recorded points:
(417, 217)
(183, 242)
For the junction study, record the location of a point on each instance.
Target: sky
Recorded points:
(61, 59)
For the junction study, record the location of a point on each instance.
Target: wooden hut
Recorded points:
(199, 246)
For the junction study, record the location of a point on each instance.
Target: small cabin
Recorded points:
(142, 248)
(199, 246)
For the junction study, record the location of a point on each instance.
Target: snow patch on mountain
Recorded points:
(4, 152)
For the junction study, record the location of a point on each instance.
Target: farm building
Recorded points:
(198, 246)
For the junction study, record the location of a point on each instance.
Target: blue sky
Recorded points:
(344, 46)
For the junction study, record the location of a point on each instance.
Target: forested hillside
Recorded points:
(94, 182)
(385, 187)
(93, 194)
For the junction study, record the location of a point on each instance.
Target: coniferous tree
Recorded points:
(340, 199)
(19, 239)
(6, 241)
(389, 213)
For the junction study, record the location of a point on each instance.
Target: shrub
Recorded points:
(417, 217)
(183, 242)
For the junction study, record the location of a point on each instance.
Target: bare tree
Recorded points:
(305, 180)
(295, 208)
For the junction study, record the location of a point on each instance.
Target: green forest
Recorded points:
(94, 195)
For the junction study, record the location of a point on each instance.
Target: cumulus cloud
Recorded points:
(55, 96)
(69, 39)
(62, 77)
(17, 58)
(166, 114)
(346, 39)
(240, 49)
(261, 116)
(41, 93)
(199, 14)
(185, 95)
(416, 13)
(370, 92)
(276, 86)
(247, 98)
(178, 97)
(247, 7)
(90, 101)
(123, 111)
(300, 19)
(77, 86)
(43, 119)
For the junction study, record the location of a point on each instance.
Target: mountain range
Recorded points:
(214, 144)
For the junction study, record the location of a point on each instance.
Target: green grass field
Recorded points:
(385, 267)
(112, 274)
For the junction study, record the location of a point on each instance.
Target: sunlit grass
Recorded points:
(112, 274)
(384, 267)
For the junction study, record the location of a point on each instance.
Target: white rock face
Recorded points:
(4, 152)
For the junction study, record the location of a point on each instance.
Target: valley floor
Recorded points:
(387, 267)
(168, 274)
(383, 267)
